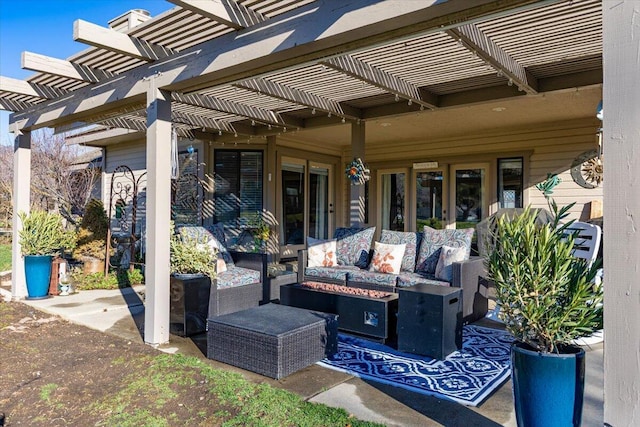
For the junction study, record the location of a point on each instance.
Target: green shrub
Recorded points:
(43, 233)
(95, 220)
(191, 255)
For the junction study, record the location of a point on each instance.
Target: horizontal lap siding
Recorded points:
(551, 149)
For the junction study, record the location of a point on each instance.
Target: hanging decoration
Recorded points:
(175, 169)
(357, 172)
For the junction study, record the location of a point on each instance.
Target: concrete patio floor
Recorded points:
(121, 313)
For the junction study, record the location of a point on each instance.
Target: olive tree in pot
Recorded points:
(547, 300)
(41, 237)
(193, 266)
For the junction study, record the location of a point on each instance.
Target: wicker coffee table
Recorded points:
(272, 340)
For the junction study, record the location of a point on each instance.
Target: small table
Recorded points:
(430, 320)
(272, 340)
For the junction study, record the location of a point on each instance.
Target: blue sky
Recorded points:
(46, 27)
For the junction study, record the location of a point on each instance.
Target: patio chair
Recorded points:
(587, 241)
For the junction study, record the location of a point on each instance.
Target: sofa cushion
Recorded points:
(448, 256)
(371, 277)
(353, 245)
(203, 234)
(410, 239)
(321, 253)
(336, 274)
(387, 258)
(237, 276)
(433, 240)
(410, 279)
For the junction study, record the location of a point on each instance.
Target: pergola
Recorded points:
(227, 69)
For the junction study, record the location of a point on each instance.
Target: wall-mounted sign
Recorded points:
(425, 165)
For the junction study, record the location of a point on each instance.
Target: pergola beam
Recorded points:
(227, 12)
(115, 41)
(297, 96)
(478, 42)
(381, 79)
(308, 33)
(22, 87)
(243, 110)
(60, 67)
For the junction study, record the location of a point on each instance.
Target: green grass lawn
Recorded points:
(5, 257)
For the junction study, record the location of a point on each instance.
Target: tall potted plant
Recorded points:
(42, 236)
(193, 266)
(547, 299)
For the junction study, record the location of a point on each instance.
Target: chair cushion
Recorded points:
(410, 279)
(433, 240)
(353, 245)
(387, 258)
(321, 253)
(410, 239)
(237, 276)
(365, 276)
(448, 256)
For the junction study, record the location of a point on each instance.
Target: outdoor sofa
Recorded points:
(355, 256)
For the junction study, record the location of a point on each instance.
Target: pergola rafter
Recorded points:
(480, 44)
(62, 68)
(297, 96)
(227, 12)
(21, 87)
(115, 41)
(379, 78)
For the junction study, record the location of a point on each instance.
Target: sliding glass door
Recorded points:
(307, 203)
(392, 194)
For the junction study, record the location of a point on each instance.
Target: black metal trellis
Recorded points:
(124, 198)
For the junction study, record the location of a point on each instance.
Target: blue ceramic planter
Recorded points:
(548, 388)
(37, 270)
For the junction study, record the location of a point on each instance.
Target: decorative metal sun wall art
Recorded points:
(587, 169)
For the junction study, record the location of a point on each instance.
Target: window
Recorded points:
(238, 186)
(293, 196)
(392, 202)
(510, 183)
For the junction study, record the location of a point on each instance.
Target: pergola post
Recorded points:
(156, 315)
(357, 201)
(21, 203)
(621, 236)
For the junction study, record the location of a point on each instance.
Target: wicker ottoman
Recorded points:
(273, 340)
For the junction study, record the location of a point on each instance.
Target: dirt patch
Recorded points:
(56, 373)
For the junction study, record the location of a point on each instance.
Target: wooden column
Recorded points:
(21, 203)
(357, 201)
(270, 201)
(156, 316)
(621, 234)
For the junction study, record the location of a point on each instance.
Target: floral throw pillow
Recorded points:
(387, 258)
(321, 253)
(433, 240)
(448, 256)
(410, 238)
(353, 245)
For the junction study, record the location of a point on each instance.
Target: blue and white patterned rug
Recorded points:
(467, 376)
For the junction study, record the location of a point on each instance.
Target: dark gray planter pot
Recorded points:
(189, 303)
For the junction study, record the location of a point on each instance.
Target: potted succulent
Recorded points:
(192, 266)
(547, 299)
(42, 236)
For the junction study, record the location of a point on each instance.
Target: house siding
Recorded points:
(549, 149)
